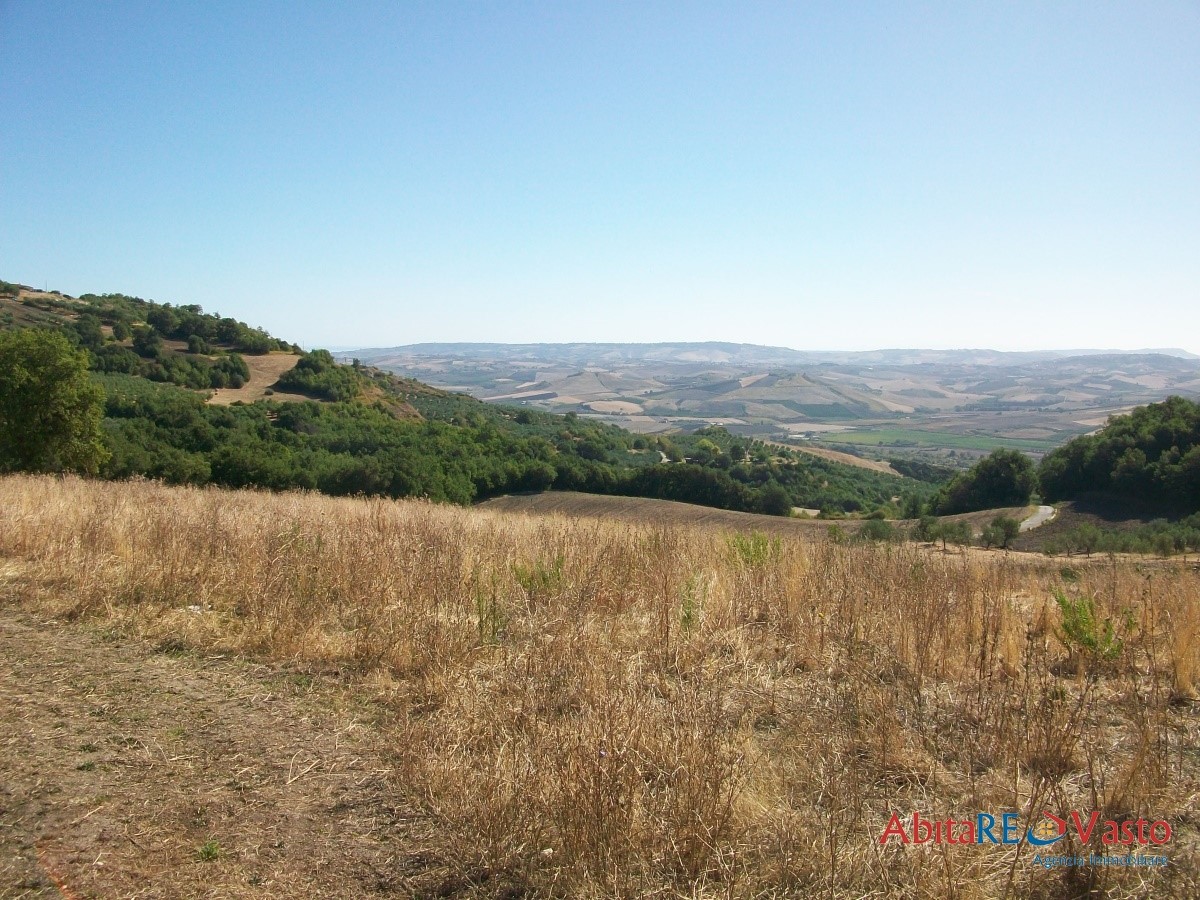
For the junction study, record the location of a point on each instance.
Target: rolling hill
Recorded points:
(197, 398)
(939, 405)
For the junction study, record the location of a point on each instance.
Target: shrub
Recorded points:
(877, 530)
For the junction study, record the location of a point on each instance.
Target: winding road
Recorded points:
(1043, 515)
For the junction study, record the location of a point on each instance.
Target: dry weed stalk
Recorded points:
(592, 709)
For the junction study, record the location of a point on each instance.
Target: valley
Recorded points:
(934, 405)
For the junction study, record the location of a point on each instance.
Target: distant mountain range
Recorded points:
(718, 352)
(890, 400)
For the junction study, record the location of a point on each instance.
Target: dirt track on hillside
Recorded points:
(127, 771)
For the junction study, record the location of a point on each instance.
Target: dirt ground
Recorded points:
(265, 370)
(132, 771)
(849, 459)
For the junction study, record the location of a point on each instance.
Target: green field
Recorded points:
(905, 437)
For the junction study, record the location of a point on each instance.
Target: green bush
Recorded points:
(1084, 633)
(877, 531)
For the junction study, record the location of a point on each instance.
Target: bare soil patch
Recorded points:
(620, 407)
(848, 459)
(128, 771)
(265, 370)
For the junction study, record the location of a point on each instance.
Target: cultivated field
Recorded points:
(848, 459)
(552, 707)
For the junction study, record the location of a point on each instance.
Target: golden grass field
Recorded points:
(645, 511)
(584, 708)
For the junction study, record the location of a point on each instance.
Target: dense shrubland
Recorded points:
(470, 452)
(318, 375)
(1002, 478)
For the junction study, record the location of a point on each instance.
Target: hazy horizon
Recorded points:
(977, 349)
(937, 176)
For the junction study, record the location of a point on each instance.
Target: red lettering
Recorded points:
(1166, 830)
(1110, 833)
(967, 835)
(1127, 836)
(894, 828)
(1085, 834)
(921, 836)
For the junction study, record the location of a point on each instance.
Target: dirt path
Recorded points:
(1043, 515)
(128, 772)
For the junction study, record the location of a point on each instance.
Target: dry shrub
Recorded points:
(596, 709)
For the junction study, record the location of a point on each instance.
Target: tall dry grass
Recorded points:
(596, 710)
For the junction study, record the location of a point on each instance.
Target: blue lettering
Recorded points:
(1009, 826)
(985, 830)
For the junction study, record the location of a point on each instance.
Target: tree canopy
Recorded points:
(1002, 478)
(50, 409)
(1152, 454)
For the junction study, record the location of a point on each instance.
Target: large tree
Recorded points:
(1003, 478)
(50, 410)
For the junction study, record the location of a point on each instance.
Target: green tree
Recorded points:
(927, 529)
(146, 342)
(1085, 538)
(911, 507)
(50, 410)
(775, 501)
(90, 334)
(1003, 478)
(1000, 532)
(958, 533)
(877, 530)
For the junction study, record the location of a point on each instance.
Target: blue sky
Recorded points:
(820, 176)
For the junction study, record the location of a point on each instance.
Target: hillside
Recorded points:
(649, 512)
(246, 694)
(586, 353)
(196, 398)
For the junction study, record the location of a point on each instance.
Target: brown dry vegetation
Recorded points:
(840, 456)
(652, 512)
(265, 370)
(592, 709)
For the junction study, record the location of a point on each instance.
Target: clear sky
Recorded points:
(814, 175)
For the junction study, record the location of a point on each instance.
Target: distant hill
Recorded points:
(932, 406)
(728, 353)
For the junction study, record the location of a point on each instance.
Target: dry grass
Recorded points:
(644, 511)
(839, 456)
(597, 709)
(265, 370)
